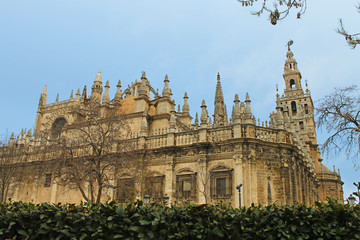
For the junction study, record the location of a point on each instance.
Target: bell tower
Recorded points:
(295, 102)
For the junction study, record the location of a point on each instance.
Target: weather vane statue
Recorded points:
(289, 44)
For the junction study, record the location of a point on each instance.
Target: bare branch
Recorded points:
(339, 114)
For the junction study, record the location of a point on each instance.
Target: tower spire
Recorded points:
(219, 106)
(43, 97)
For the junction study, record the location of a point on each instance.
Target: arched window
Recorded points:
(292, 84)
(57, 126)
(293, 107)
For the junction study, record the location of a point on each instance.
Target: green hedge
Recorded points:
(136, 221)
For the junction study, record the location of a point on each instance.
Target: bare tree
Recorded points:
(203, 183)
(352, 39)
(277, 9)
(95, 152)
(339, 113)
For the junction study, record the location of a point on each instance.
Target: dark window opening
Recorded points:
(292, 84)
(293, 107)
(57, 126)
(221, 186)
(301, 123)
(47, 182)
(306, 108)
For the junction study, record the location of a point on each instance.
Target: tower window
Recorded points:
(293, 107)
(306, 108)
(301, 123)
(292, 84)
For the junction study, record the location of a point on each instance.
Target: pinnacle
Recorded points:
(247, 99)
(143, 76)
(44, 91)
(203, 104)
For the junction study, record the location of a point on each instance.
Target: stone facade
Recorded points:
(198, 161)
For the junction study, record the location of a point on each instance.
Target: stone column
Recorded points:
(170, 179)
(54, 187)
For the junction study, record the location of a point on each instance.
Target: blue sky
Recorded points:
(64, 43)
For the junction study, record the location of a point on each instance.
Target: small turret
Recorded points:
(77, 98)
(118, 93)
(166, 91)
(84, 94)
(96, 90)
(196, 119)
(236, 110)
(142, 88)
(186, 108)
(106, 97)
(204, 114)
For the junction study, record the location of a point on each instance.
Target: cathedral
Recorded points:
(234, 159)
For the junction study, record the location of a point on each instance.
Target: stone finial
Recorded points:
(11, 140)
(98, 76)
(84, 94)
(72, 95)
(204, 113)
(143, 76)
(196, 119)
(247, 106)
(97, 89)
(186, 108)
(118, 93)
(142, 88)
(307, 87)
(166, 91)
(57, 99)
(236, 109)
(77, 98)
(106, 97)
